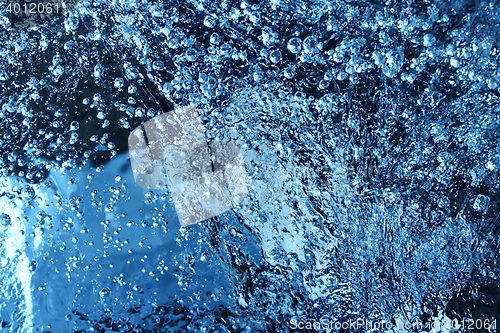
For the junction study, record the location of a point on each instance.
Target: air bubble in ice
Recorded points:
(191, 54)
(105, 292)
(294, 45)
(119, 83)
(309, 44)
(158, 65)
(139, 112)
(98, 71)
(289, 72)
(202, 77)
(73, 138)
(74, 125)
(275, 56)
(5, 219)
(32, 266)
(27, 193)
(131, 89)
(209, 21)
(215, 39)
(429, 40)
(341, 76)
(481, 203)
(131, 73)
(323, 84)
(211, 82)
(226, 50)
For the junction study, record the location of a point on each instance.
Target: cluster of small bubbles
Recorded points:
(150, 197)
(122, 122)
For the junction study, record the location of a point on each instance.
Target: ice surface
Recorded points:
(369, 133)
